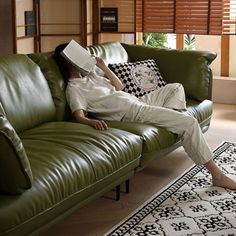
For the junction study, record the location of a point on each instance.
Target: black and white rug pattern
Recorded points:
(188, 206)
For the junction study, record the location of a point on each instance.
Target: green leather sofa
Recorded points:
(51, 166)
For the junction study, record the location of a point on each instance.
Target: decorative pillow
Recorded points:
(15, 170)
(139, 77)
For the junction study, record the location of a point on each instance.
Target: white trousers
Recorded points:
(160, 108)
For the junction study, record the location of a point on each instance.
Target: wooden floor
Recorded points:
(101, 215)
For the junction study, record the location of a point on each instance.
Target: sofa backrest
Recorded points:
(190, 68)
(111, 52)
(55, 81)
(25, 96)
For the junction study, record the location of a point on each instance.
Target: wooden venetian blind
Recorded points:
(158, 16)
(198, 16)
(180, 16)
(139, 15)
(215, 17)
(229, 17)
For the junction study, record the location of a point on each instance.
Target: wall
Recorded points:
(224, 88)
(210, 43)
(213, 43)
(232, 57)
(6, 28)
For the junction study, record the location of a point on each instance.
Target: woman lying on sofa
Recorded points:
(105, 100)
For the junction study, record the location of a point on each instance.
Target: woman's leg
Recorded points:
(188, 129)
(170, 96)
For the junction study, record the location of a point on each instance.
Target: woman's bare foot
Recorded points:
(224, 182)
(218, 177)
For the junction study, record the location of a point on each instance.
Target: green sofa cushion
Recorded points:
(25, 95)
(106, 151)
(2, 110)
(71, 163)
(201, 111)
(154, 138)
(15, 170)
(55, 81)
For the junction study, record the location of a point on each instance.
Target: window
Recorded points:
(204, 17)
(189, 41)
(229, 17)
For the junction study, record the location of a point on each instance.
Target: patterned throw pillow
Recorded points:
(139, 77)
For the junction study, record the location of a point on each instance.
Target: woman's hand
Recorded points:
(98, 124)
(109, 74)
(100, 63)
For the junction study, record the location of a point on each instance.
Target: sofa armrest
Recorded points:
(15, 170)
(190, 68)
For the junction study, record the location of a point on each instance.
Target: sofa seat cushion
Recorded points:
(154, 138)
(202, 111)
(68, 160)
(101, 152)
(159, 141)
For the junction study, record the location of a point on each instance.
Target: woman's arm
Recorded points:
(109, 74)
(97, 124)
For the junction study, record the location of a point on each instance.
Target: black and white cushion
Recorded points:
(139, 77)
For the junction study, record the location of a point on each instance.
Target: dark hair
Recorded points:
(61, 61)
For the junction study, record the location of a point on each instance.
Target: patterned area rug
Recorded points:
(189, 206)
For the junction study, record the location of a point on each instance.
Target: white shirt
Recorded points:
(95, 94)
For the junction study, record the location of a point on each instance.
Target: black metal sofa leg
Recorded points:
(127, 186)
(118, 193)
(118, 189)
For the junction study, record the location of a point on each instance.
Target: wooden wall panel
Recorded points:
(49, 43)
(109, 37)
(60, 28)
(123, 38)
(25, 45)
(59, 16)
(60, 11)
(89, 16)
(90, 40)
(60, 21)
